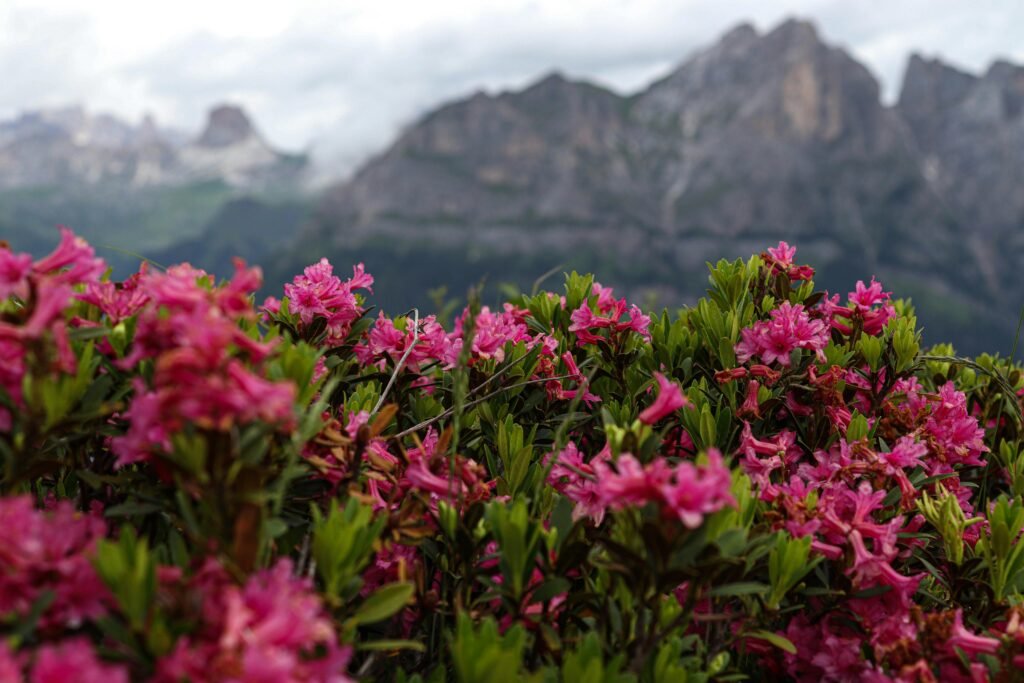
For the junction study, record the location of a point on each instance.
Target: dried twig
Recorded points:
(401, 361)
(470, 404)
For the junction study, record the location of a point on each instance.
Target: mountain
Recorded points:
(138, 189)
(248, 228)
(70, 146)
(761, 137)
(969, 133)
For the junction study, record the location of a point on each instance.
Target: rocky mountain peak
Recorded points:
(226, 125)
(787, 83)
(71, 146)
(741, 34)
(795, 33)
(1006, 72)
(552, 81)
(931, 85)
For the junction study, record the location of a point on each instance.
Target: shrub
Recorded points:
(773, 484)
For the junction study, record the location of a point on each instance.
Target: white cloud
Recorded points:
(343, 77)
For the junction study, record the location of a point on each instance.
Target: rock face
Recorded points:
(70, 146)
(969, 132)
(757, 138)
(227, 125)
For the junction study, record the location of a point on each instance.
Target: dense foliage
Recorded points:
(774, 484)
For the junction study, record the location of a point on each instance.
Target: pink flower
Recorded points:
(670, 399)
(762, 457)
(442, 476)
(74, 661)
(699, 490)
(320, 293)
(575, 478)
(972, 644)
(751, 406)
(956, 434)
(780, 260)
(609, 316)
(788, 328)
(861, 309)
(631, 484)
(14, 270)
(556, 391)
(872, 569)
(866, 297)
(492, 331)
(907, 453)
(10, 669)
(688, 492)
(273, 628)
(386, 341)
(49, 552)
(72, 262)
(783, 254)
(394, 562)
(117, 301)
(200, 375)
(824, 652)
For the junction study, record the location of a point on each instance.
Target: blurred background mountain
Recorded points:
(759, 137)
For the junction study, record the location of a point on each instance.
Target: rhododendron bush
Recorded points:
(774, 484)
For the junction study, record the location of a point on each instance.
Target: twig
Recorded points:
(401, 361)
(470, 404)
(498, 374)
(303, 555)
(1016, 337)
(542, 278)
(133, 254)
(996, 376)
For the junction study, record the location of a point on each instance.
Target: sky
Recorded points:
(340, 79)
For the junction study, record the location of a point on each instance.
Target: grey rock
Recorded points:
(67, 147)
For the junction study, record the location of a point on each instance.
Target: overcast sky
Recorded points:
(341, 77)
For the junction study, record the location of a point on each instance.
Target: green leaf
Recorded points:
(739, 588)
(385, 602)
(781, 642)
(378, 645)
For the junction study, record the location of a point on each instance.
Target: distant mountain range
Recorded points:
(760, 137)
(70, 146)
(141, 189)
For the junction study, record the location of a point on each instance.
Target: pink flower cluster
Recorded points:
(788, 328)
(118, 301)
(611, 314)
(386, 341)
(576, 479)
(555, 388)
(670, 399)
(780, 261)
(837, 498)
(868, 306)
(189, 330)
(319, 293)
(443, 476)
(45, 288)
(687, 492)
(69, 661)
(49, 551)
(832, 648)
(492, 332)
(274, 628)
